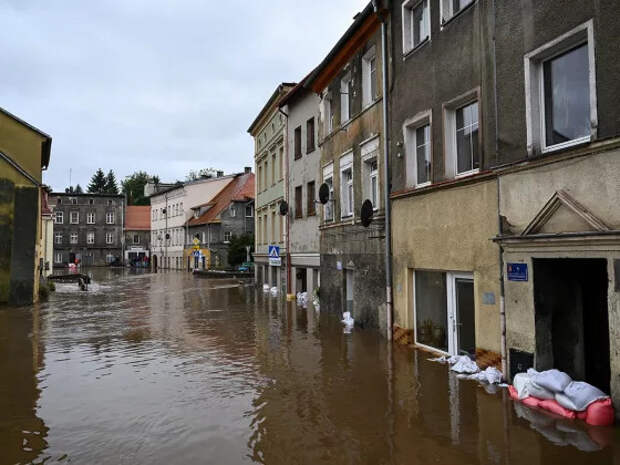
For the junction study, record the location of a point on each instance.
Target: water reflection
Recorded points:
(166, 368)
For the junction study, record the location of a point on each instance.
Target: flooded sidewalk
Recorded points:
(171, 369)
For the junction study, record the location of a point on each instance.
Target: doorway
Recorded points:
(572, 318)
(301, 276)
(445, 311)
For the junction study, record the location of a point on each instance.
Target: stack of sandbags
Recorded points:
(556, 392)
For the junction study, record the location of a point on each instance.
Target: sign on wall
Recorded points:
(274, 256)
(517, 272)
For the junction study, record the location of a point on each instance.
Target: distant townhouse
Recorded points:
(350, 138)
(46, 261)
(170, 210)
(303, 157)
(137, 233)
(24, 154)
(269, 132)
(88, 228)
(213, 224)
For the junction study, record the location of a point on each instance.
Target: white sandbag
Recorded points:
(491, 376)
(539, 392)
(553, 380)
(578, 395)
(466, 365)
(265, 287)
(521, 383)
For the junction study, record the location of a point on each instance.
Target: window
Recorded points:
(74, 201)
(265, 238)
(346, 185)
(74, 217)
(58, 257)
(109, 238)
(259, 237)
(310, 135)
(110, 203)
(416, 24)
(346, 92)
(227, 236)
(233, 211)
(204, 237)
(59, 218)
(418, 150)
(369, 77)
(260, 179)
(58, 238)
(109, 218)
(462, 142)
(449, 8)
(273, 226)
(273, 169)
(559, 84)
(249, 211)
(266, 173)
(310, 199)
(90, 238)
(370, 178)
(91, 201)
(298, 202)
(59, 201)
(328, 208)
(90, 218)
(73, 239)
(136, 238)
(298, 143)
(328, 107)
(281, 164)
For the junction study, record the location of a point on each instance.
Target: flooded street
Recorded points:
(169, 369)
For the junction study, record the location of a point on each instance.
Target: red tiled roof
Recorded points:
(239, 189)
(138, 217)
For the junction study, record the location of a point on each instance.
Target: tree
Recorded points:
(78, 189)
(133, 187)
(204, 173)
(74, 190)
(237, 252)
(97, 183)
(110, 183)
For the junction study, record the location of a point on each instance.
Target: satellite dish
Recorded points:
(366, 213)
(283, 208)
(163, 211)
(324, 193)
(167, 236)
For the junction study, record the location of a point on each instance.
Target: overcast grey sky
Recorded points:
(164, 86)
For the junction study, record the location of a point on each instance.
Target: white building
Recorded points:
(171, 207)
(303, 180)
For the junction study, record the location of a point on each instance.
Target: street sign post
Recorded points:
(274, 256)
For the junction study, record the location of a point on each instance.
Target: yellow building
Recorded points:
(24, 154)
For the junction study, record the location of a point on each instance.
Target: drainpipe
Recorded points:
(386, 176)
(166, 229)
(286, 186)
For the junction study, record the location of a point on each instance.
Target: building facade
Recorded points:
(269, 133)
(212, 226)
(24, 154)
(350, 139)
(137, 234)
(303, 179)
(170, 210)
(46, 261)
(88, 228)
(559, 131)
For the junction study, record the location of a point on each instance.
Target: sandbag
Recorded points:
(513, 393)
(578, 395)
(553, 407)
(538, 391)
(521, 382)
(600, 413)
(553, 380)
(531, 401)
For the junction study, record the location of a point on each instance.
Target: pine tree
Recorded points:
(97, 183)
(110, 183)
(78, 189)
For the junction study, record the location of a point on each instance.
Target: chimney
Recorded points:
(220, 174)
(248, 169)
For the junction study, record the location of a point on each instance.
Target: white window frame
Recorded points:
(227, 236)
(408, 24)
(109, 238)
(370, 154)
(346, 164)
(328, 208)
(73, 238)
(58, 257)
(77, 218)
(90, 218)
(328, 112)
(90, 237)
(59, 217)
(446, 13)
(233, 211)
(346, 85)
(367, 97)
(450, 147)
(136, 239)
(58, 238)
(110, 218)
(534, 87)
(251, 210)
(410, 126)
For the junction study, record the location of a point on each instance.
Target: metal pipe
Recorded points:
(386, 179)
(286, 197)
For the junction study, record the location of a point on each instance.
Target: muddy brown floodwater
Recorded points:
(169, 369)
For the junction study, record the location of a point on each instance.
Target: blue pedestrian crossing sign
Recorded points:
(274, 255)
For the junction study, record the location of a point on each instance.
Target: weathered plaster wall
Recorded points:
(21, 144)
(449, 230)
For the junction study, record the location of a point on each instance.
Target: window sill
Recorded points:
(567, 144)
(412, 51)
(465, 174)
